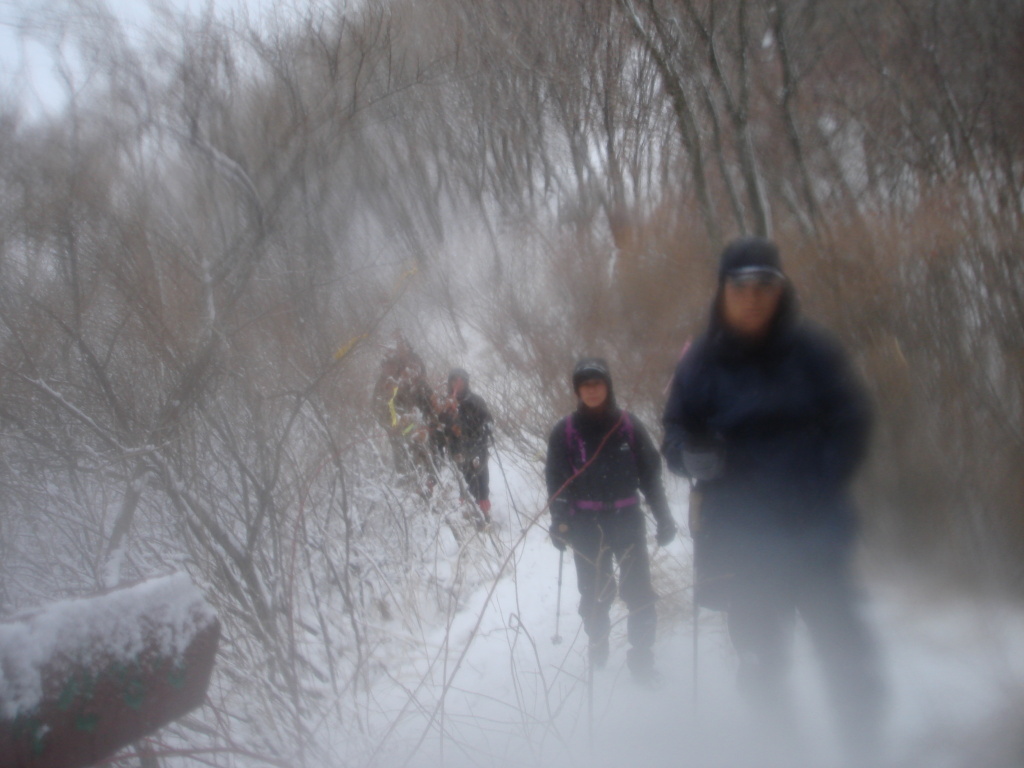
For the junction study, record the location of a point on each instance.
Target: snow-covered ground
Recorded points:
(494, 673)
(497, 689)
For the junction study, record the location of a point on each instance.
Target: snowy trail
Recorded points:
(519, 700)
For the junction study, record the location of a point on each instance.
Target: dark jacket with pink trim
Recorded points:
(580, 477)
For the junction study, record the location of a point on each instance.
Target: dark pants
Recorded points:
(597, 538)
(817, 585)
(477, 477)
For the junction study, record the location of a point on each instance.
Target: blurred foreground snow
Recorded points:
(495, 690)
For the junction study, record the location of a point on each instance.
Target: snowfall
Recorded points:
(505, 682)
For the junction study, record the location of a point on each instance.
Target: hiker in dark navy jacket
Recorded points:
(467, 429)
(599, 460)
(767, 417)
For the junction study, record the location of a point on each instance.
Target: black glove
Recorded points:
(703, 464)
(559, 532)
(666, 530)
(673, 458)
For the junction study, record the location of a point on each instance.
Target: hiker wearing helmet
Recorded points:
(767, 418)
(467, 429)
(599, 460)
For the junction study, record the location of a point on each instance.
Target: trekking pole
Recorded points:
(696, 634)
(557, 639)
(590, 707)
(694, 524)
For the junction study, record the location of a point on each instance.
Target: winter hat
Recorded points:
(458, 373)
(590, 368)
(750, 256)
(455, 375)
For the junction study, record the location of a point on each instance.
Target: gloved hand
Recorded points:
(666, 530)
(703, 464)
(559, 532)
(485, 506)
(476, 462)
(674, 460)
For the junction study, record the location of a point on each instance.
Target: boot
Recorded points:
(764, 689)
(597, 652)
(641, 664)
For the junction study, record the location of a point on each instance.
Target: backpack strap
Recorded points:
(601, 506)
(574, 441)
(391, 408)
(627, 428)
(575, 447)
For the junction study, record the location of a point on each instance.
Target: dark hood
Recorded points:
(459, 373)
(594, 368)
(725, 340)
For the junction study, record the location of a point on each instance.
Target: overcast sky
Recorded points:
(27, 72)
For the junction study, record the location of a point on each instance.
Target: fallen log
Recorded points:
(80, 679)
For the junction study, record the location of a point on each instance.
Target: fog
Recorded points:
(216, 220)
(493, 687)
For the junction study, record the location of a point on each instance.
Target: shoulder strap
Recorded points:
(627, 428)
(574, 444)
(574, 441)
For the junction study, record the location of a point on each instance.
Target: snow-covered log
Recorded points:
(80, 679)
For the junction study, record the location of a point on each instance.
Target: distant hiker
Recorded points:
(467, 428)
(598, 459)
(767, 417)
(404, 405)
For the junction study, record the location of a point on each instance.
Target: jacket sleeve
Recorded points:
(477, 422)
(847, 414)
(687, 409)
(557, 471)
(648, 462)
